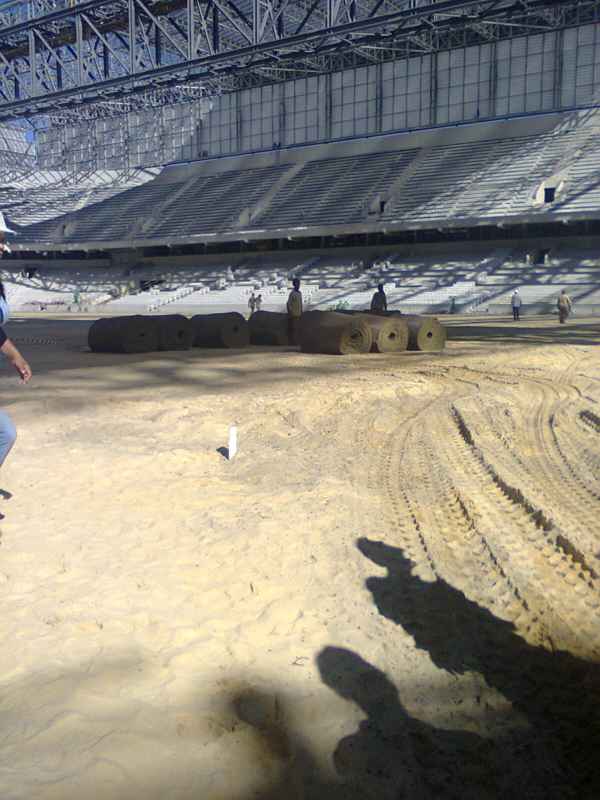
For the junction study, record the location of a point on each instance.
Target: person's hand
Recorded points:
(22, 368)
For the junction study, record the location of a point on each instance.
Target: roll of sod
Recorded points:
(390, 334)
(220, 330)
(334, 334)
(425, 333)
(269, 328)
(174, 332)
(134, 334)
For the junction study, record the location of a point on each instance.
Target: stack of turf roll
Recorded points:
(134, 334)
(390, 334)
(334, 334)
(220, 330)
(174, 332)
(269, 328)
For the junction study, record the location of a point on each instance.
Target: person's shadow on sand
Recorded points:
(547, 748)
(394, 755)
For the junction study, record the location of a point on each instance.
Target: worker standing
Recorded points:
(252, 303)
(516, 304)
(565, 305)
(379, 300)
(294, 310)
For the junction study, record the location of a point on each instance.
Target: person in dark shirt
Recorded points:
(8, 433)
(294, 310)
(379, 299)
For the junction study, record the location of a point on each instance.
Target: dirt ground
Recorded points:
(391, 592)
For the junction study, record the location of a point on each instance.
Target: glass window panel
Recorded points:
(443, 79)
(547, 100)
(584, 94)
(517, 86)
(472, 56)
(414, 83)
(414, 66)
(532, 101)
(471, 93)
(534, 63)
(413, 101)
(517, 103)
(585, 55)
(518, 65)
(457, 58)
(502, 106)
(534, 83)
(519, 47)
(456, 95)
(503, 68)
(586, 34)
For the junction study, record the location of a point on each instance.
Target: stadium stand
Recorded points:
(451, 178)
(421, 280)
(43, 195)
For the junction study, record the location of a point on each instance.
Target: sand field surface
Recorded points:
(391, 592)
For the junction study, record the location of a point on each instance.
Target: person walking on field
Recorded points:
(379, 300)
(8, 433)
(294, 310)
(516, 303)
(259, 302)
(252, 304)
(565, 305)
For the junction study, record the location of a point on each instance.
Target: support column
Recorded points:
(328, 105)
(433, 90)
(282, 114)
(559, 43)
(32, 63)
(493, 79)
(379, 97)
(190, 29)
(132, 37)
(239, 122)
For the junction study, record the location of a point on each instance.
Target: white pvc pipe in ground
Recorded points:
(232, 449)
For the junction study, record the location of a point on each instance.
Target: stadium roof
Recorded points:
(60, 53)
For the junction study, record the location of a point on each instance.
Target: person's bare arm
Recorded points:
(16, 359)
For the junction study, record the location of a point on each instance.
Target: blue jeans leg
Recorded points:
(8, 435)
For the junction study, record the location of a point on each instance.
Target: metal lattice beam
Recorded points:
(101, 49)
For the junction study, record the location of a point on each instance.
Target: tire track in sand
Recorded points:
(548, 577)
(431, 523)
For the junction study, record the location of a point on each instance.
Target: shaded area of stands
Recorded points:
(428, 282)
